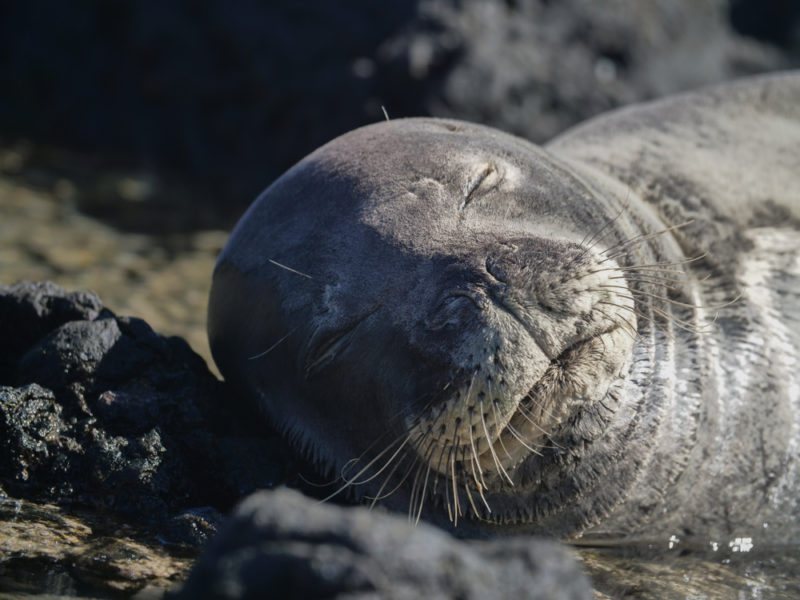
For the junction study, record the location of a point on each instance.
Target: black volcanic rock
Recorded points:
(101, 411)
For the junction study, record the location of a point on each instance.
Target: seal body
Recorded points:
(597, 336)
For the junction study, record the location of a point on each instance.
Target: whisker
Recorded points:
(593, 239)
(483, 499)
(412, 499)
(271, 348)
(499, 433)
(403, 478)
(422, 494)
(653, 266)
(640, 315)
(630, 329)
(653, 279)
(474, 456)
(456, 505)
(617, 249)
(500, 470)
(517, 435)
(471, 501)
(670, 300)
(352, 481)
(424, 460)
(528, 414)
(680, 323)
(290, 269)
(386, 481)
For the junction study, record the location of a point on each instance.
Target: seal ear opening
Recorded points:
(326, 352)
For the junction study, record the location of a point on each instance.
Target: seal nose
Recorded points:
(522, 262)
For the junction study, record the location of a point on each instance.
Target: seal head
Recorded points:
(428, 330)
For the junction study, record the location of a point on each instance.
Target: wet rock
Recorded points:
(280, 544)
(101, 411)
(32, 431)
(44, 548)
(193, 527)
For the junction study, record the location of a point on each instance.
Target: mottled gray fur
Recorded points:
(597, 336)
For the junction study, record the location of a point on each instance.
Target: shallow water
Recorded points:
(694, 570)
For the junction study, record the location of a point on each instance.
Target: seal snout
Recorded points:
(536, 333)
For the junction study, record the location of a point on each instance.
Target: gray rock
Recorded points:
(282, 545)
(534, 68)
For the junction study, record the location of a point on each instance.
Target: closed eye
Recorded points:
(324, 354)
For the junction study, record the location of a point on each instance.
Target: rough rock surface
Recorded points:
(44, 548)
(100, 411)
(282, 545)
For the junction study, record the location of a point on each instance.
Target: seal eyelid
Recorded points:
(472, 184)
(326, 343)
(324, 354)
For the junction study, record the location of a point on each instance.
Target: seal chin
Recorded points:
(555, 330)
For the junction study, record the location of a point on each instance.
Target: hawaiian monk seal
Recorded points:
(600, 335)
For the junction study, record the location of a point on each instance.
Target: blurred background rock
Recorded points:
(134, 133)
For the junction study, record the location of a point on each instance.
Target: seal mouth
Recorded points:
(486, 431)
(472, 445)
